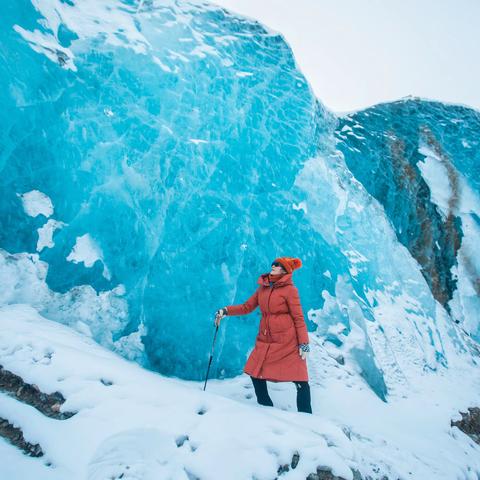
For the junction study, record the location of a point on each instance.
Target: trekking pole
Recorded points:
(211, 357)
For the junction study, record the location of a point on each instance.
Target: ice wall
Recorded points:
(161, 154)
(163, 137)
(421, 160)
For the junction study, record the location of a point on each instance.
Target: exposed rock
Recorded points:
(285, 468)
(323, 473)
(295, 460)
(15, 436)
(470, 423)
(47, 403)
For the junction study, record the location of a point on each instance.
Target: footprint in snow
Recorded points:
(202, 411)
(138, 454)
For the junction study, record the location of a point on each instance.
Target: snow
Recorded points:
(436, 175)
(115, 421)
(113, 21)
(36, 203)
(45, 234)
(300, 206)
(23, 280)
(137, 423)
(244, 74)
(86, 251)
(47, 45)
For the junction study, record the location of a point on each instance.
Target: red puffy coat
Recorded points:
(282, 328)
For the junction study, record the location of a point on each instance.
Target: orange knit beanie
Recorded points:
(289, 264)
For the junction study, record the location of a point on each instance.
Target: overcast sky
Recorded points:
(356, 53)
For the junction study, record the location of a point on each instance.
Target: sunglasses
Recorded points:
(276, 264)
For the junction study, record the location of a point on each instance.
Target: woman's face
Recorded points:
(277, 269)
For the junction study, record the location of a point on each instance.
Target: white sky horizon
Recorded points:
(356, 54)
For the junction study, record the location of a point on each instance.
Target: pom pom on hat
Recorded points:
(289, 264)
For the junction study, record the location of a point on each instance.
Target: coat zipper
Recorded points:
(268, 306)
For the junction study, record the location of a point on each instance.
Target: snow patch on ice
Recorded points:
(162, 65)
(45, 234)
(436, 176)
(434, 172)
(49, 46)
(87, 251)
(300, 206)
(244, 74)
(112, 20)
(36, 203)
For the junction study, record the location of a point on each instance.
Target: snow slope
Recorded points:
(145, 426)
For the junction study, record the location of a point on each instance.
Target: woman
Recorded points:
(282, 345)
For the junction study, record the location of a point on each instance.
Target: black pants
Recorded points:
(303, 394)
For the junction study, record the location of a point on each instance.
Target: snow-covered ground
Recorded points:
(135, 424)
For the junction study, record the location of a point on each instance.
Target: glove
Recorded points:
(219, 314)
(303, 350)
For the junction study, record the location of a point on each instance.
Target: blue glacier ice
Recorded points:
(182, 150)
(391, 137)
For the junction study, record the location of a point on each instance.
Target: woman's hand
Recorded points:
(219, 314)
(304, 350)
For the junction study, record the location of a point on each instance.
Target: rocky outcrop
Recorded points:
(470, 423)
(48, 404)
(15, 436)
(322, 473)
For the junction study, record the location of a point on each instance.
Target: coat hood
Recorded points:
(285, 280)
